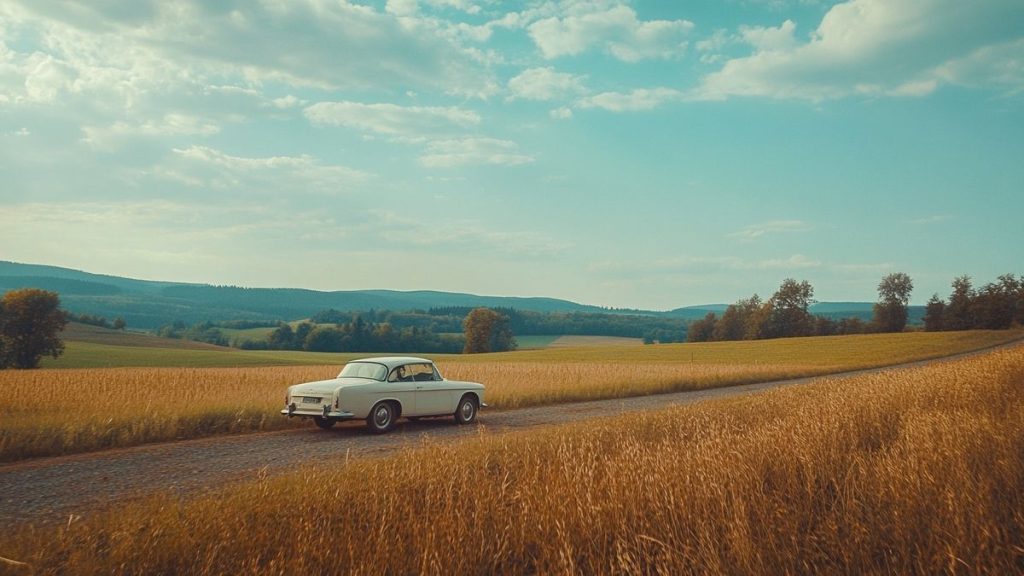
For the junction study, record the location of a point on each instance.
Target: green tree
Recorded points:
(934, 313)
(995, 305)
(283, 338)
(959, 314)
(757, 322)
(487, 331)
(702, 330)
(323, 339)
(119, 324)
(32, 321)
(733, 323)
(789, 313)
(890, 312)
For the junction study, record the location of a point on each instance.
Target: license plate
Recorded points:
(310, 400)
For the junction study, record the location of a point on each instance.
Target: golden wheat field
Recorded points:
(917, 471)
(49, 412)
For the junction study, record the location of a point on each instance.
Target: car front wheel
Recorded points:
(381, 418)
(465, 413)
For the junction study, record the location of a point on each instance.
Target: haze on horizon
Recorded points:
(630, 154)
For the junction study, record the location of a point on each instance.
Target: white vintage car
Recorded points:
(381, 390)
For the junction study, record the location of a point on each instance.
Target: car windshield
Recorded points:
(368, 370)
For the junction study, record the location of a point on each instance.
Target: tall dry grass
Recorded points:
(47, 412)
(914, 471)
(50, 412)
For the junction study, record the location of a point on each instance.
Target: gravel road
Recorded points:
(49, 490)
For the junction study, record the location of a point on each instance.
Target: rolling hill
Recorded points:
(147, 304)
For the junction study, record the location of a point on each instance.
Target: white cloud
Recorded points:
(285, 102)
(637, 100)
(173, 124)
(615, 29)
(563, 113)
(773, 227)
(472, 151)
(1000, 65)
(200, 166)
(769, 39)
(461, 5)
(545, 84)
(877, 47)
(321, 43)
(408, 122)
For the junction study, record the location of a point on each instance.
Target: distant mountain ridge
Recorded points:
(149, 304)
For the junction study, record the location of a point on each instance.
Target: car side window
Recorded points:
(421, 372)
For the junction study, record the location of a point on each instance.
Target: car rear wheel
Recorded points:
(381, 418)
(324, 423)
(465, 413)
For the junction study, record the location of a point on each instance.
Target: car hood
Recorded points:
(321, 387)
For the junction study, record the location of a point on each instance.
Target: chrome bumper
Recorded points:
(293, 410)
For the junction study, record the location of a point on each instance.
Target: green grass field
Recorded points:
(827, 351)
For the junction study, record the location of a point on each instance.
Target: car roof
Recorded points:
(392, 361)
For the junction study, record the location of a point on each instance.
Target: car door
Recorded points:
(431, 394)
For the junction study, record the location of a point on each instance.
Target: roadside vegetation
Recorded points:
(912, 471)
(49, 412)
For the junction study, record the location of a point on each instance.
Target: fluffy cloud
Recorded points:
(614, 29)
(545, 84)
(472, 151)
(172, 124)
(637, 100)
(321, 43)
(203, 167)
(405, 122)
(877, 47)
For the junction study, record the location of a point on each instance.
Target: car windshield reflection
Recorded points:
(366, 370)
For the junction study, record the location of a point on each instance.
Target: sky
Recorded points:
(646, 154)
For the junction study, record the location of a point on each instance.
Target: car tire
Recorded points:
(465, 412)
(324, 423)
(381, 417)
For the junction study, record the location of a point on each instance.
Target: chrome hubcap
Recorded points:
(467, 410)
(382, 417)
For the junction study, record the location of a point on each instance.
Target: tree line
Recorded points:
(663, 329)
(357, 335)
(101, 321)
(998, 305)
(995, 306)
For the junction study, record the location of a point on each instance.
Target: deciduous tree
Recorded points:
(958, 314)
(32, 321)
(890, 312)
(733, 323)
(487, 331)
(701, 330)
(995, 305)
(934, 313)
(790, 316)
